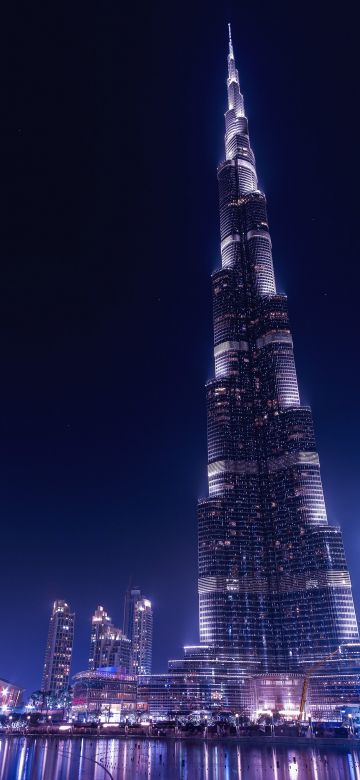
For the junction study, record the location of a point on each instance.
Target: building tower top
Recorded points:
(231, 50)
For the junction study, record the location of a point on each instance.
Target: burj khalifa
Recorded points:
(274, 588)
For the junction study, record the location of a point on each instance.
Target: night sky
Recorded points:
(112, 128)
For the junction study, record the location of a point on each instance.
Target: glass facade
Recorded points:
(108, 645)
(132, 595)
(274, 588)
(275, 596)
(138, 626)
(141, 651)
(106, 692)
(58, 649)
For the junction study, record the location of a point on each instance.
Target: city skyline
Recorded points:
(184, 473)
(124, 651)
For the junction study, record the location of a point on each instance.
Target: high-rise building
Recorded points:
(141, 647)
(58, 649)
(132, 595)
(274, 588)
(109, 647)
(138, 625)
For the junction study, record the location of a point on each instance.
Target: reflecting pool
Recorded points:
(25, 758)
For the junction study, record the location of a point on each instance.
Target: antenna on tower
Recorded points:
(231, 51)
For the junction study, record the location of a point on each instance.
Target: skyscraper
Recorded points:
(274, 588)
(138, 624)
(108, 645)
(58, 649)
(132, 595)
(275, 596)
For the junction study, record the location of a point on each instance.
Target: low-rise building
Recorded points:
(105, 694)
(10, 695)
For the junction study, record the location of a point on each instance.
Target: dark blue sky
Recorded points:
(112, 128)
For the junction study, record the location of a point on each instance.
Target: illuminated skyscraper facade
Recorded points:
(138, 626)
(132, 595)
(275, 595)
(58, 649)
(108, 645)
(141, 637)
(274, 588)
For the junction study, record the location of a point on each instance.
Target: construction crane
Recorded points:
(308, 676)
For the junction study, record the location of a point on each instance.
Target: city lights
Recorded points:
(274, 589)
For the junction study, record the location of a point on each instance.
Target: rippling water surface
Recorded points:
(86, 759)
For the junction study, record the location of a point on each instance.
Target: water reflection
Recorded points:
(86, 759)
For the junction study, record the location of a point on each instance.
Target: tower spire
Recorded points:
(235, 98)
(232, 72)
(231, 50)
